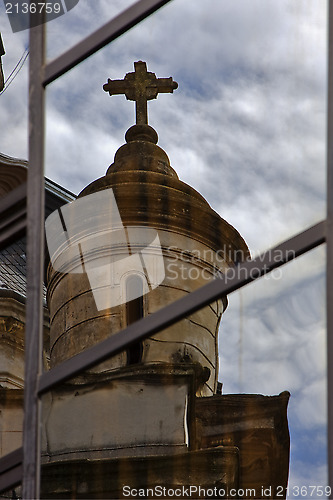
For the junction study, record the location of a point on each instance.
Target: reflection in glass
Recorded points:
(146, 425)
(272, 340)
(246, 130)
(134, 312)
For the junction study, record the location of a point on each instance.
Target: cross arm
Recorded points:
(115, 87)
(166, 85)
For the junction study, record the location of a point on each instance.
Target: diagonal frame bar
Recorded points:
(236, 278)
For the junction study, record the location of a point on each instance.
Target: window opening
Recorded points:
(134, 312)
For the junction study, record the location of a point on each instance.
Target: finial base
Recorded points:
(144, 133)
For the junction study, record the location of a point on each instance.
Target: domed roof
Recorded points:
(149, 193)
(13, 172)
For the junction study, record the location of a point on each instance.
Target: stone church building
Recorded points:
(155, 416)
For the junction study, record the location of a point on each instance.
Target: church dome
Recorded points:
(13, 173)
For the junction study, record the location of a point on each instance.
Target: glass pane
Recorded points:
(124, 426)
(272, 348)
(13, 292)
(273, 339)
(12, 494)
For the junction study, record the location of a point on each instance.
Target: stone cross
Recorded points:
(140, 86)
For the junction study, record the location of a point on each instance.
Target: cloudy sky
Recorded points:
(246, 128)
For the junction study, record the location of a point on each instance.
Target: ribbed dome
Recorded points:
(149, 192)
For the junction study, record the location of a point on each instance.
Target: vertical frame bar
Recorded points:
(329, 247)
(35, 250)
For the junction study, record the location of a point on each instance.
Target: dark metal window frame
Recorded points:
(23, 465)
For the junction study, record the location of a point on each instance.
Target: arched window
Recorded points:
(134, 312)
